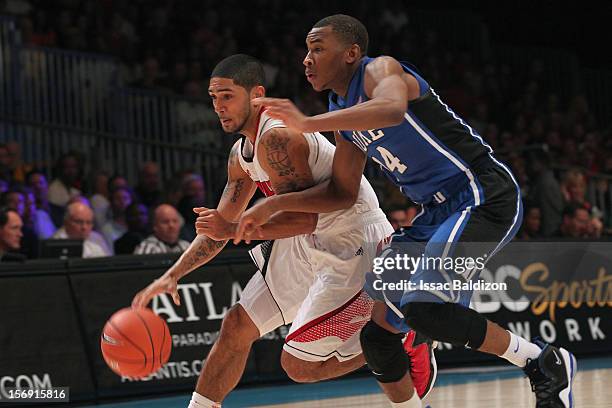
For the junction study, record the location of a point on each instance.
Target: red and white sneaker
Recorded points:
(423, 368)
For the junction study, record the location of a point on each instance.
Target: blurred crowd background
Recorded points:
(536, 106)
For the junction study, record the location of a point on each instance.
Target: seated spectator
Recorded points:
(99, 199)
(117, 226)
(102, 210)
(37, 181)
(193, 187)
(67, 184)
(531, 224)
(78, 224)
(15, 200)
(43, 224)
(193, 196)
(137, 219)
(574, 187)
(165, 238)
(600, 194)
(10, 235)
(148, 189)
(41, 220)
(18, 168)
(546, 194)
(576, 222)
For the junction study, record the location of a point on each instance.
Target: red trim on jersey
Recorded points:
(320, 319)
(266, 188)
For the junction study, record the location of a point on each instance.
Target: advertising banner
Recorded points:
(41, 345)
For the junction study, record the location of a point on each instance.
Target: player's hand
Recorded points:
(286, 111)
(249, 225)
(165, 284)
(213, 225)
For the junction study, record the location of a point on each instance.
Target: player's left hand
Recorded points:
(286, 111)
(250, 222)
(213, 225)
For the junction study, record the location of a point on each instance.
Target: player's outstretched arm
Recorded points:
(386, 84)
(340, 192)
(238, 191)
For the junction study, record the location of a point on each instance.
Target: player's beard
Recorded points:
(247, 114)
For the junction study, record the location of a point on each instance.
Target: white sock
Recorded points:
(520, 350)
(200, 401)
(414, 402)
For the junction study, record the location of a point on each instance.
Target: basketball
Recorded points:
(135, 342)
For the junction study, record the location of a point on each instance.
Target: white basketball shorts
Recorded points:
(315, 282)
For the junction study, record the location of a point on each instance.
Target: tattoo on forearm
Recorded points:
(278, 156)
(238, 186)
(199, 254)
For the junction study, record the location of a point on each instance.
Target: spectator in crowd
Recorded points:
(137, 218)
(576, 222)
(67, 184)
(574, 187)
(121, 197)
(546, 194)
(15, 199)
(80, 199)
(17, 167)
(37, 181)
(10, 235)
(148, 189)
(193, 196)
(174, 188)
(99, 200)
(43, 224)
(165, 238)
(601, 196)
(41, 220)
(78, 224)
(103, 213)
(532, 222)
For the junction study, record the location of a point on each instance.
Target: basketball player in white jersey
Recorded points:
(311, 269)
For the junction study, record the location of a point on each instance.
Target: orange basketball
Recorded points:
(135, 342)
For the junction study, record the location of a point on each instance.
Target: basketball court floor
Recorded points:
(478, 387)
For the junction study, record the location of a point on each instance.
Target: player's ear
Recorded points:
(353, 53)
(258, 92)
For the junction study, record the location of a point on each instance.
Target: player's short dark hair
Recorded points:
(349, 29)
(243, 69)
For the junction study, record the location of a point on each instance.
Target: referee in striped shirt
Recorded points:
(165, 237)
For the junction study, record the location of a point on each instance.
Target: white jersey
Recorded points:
(365, 210)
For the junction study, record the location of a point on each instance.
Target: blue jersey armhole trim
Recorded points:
(412, 70)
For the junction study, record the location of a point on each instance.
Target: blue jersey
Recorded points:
(432, 154)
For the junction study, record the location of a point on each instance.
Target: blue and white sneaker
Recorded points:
(551, 376)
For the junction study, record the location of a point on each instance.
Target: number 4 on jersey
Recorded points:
(392, 163)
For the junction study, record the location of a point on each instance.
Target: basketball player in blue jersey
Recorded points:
(383, 109)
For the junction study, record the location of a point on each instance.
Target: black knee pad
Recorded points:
(384, 353)
(447, 322)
